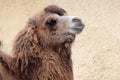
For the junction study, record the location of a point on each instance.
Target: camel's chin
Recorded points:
(70, 37)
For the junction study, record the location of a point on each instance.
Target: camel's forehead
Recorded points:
(55, 9)
(51, 15)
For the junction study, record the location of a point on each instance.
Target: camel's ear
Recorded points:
(31, 23)
(55, 9)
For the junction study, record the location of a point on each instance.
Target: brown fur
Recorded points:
(38, 52)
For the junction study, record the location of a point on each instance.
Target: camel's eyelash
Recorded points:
(51, 22)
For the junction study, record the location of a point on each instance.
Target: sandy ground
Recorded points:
(96, 51)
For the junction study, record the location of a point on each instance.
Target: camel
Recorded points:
(42, 50)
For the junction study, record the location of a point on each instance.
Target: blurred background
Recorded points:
(96, 51)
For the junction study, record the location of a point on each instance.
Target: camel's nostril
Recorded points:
(76, 19)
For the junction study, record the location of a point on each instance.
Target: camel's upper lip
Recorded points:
(78, 29)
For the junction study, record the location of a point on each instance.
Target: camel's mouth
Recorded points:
(72, 31)
(76, 28)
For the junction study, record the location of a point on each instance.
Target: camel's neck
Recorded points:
(55, 63)
(64, 50)
(33, 57)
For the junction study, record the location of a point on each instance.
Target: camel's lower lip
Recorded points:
(79, 27)
(77, 30)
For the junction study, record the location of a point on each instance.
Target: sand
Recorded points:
(96, 51)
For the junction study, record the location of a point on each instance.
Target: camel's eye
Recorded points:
(51, 22)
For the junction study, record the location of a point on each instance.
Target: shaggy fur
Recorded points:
(38, 52)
